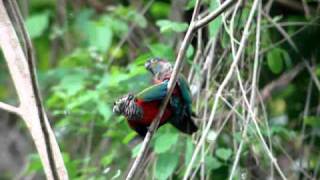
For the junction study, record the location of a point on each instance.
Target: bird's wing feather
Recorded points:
(155, 92)
(185, 92)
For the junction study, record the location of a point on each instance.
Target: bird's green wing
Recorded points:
(185, 92)
(155, 92)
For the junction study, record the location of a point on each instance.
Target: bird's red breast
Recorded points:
(150, 111)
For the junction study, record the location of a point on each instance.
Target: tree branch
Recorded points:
(9, 108)
(282, 81)
(24, 79)
(213, 15)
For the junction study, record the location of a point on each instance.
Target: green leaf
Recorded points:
(118, 26)
(190, 51)
(171, 26)
(129, 137)
(106, 160)
(312, 121)
(165, 141)
(165, 165)
(34, 163)
(224, 153)
(214, 25)
(135, 150)
(189, 150)
(275, 60)
(142, 58)
(162, 51)
(160, 9)
(83, 99)
(37, 24)
(138, 19)
(100, 36)
(190, 5)
(73, 83)
(104, 110)
(212, 163)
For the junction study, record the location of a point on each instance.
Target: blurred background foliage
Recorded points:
(90, 52)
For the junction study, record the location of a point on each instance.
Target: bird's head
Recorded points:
(120, 106)
(158, 67)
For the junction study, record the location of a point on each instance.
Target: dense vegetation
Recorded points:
(91, 52)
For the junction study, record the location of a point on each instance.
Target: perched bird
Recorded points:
(140, 110)
(181, 99)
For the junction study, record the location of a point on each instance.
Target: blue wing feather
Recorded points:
(155, 92)
(185, 92)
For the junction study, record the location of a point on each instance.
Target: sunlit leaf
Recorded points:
(224, 153)
(34, 163)
(312, 121)
(165, 165)
(190, 51)
(214, 25)
(37, 24)
(189, 151)
(160, 9)
(100, 36)
(104, 110)
(162, 51)
(171, 26)
(164, 142)
(135, 150)
(212, 163)
(107, 159)
(73, 83)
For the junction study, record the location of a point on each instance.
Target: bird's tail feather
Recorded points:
(185, 124)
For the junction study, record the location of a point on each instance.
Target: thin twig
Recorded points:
(222, 86)
(213, 15)
(282, 81)
(253, 89)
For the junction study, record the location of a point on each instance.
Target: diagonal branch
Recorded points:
(281, 82)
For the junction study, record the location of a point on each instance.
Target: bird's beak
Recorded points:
(147, 65)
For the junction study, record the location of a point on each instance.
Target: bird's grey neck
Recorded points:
(133, 111)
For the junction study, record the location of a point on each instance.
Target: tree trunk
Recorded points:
(28, 110)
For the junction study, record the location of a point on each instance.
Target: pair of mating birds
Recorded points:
(141, 109)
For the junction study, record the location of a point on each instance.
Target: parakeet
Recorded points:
(181, 99)
(140, 110)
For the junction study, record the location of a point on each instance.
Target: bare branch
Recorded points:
(282, 81)
(222, 86)
(211, 16)
(9, 108)
(33, 77)
(24, 83)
